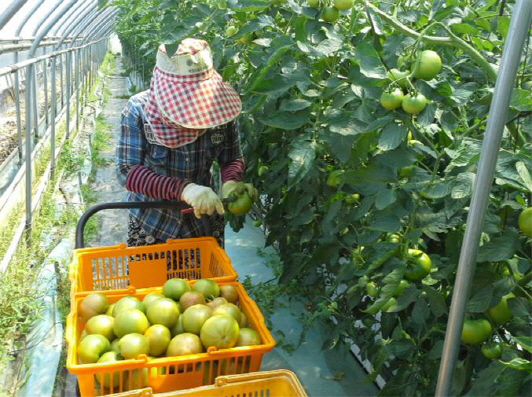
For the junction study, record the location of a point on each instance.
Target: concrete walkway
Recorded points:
(322, 373)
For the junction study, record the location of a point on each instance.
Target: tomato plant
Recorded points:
(311, 106)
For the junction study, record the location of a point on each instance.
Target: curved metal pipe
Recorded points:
(27, 17)
(84, 9)
(95, 23)
(103, 23)
(43, 19)
(11, 10)
(67, 19)
(76, 26)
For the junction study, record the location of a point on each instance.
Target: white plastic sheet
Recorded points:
(114, 45)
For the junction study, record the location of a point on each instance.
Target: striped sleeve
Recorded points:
(141, 179)
(232, 166)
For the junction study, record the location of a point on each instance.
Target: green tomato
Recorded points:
(392, 99)
(402, 285)
(500, 313)
(241, 205)
(394, 238)
(333, 180)
(314, 3)
(262, 169)
(525, 221)
(414, 104)
(230, 31)
(418, 265)
(372, 290)
(398, 76)
(388, 305)
(330, 14)
(343, 5)
(476, 331)
(257, 222)
(352, 198)
(491, 350)
(427, 65)
(406, 172)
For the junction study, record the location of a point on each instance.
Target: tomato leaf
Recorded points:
(524, 173)
(520, 364)
(524, 341)
(436, 351)
(287, 120)
(385, 223)
(421, 311)
(391, 136)
(482, 300)
(293, 105)
(463, 185)
(519, 306)
(385, 198)
(302, 154)
(436, 301)
(369, 61)
(499, 248)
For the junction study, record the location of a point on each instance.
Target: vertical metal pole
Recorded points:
(52, 116)
(513, 47)
(19, 118)
(35, 101)
(77, 89)
(28, 146)
(62, 82)
(45, 83)
(68, 83)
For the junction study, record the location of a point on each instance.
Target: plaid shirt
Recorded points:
(191, 162)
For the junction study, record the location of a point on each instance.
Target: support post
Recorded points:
(519, 25)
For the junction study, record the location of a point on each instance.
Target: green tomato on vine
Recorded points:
(330, 14)
(343, 5)
(427, 65)
(392, 99)
(414, 103)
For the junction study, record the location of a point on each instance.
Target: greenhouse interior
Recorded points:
(265, 198)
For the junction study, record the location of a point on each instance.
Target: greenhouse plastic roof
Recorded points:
(25, 19)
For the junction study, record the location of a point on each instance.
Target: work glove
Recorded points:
(233, 189)
(202, 199)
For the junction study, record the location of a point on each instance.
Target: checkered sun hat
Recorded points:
(187, 95)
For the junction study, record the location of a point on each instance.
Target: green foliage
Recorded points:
(310, 92)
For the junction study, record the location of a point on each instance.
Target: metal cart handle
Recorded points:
(185, 209)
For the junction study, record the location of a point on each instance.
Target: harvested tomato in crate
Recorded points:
(275, 383)
(163, 374)
(118, 267)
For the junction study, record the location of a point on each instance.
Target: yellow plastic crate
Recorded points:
(167, 373)
(275, 383)
(116, 268)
